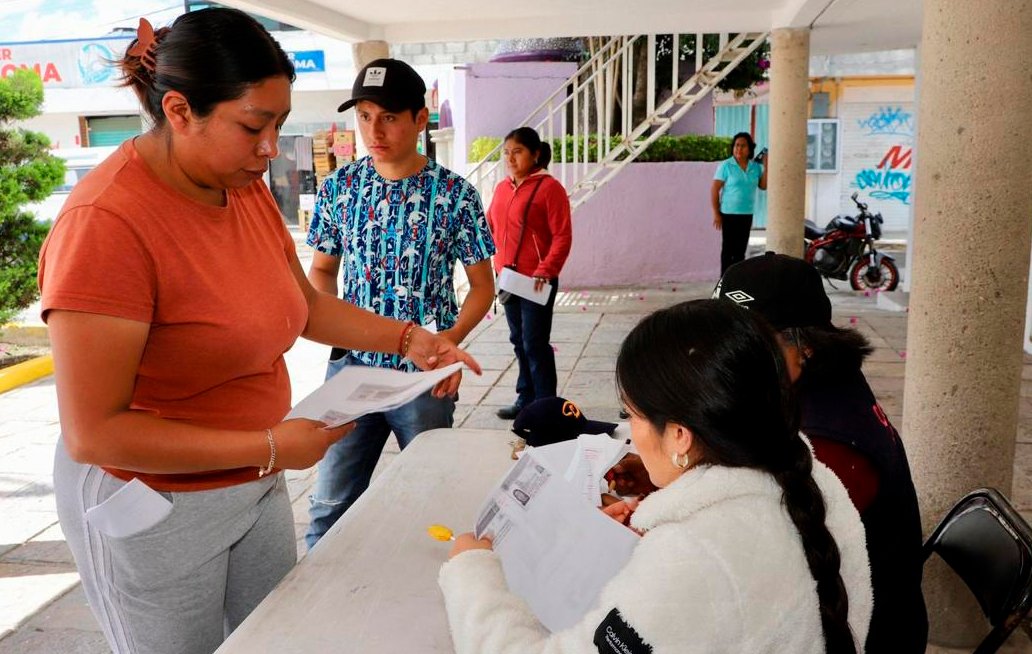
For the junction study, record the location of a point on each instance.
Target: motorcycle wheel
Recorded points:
(885, 277)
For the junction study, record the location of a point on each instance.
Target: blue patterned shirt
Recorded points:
(398, 242)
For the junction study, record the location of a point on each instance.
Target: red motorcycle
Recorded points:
(845, 250)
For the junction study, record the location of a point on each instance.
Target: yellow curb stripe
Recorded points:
(25, 372)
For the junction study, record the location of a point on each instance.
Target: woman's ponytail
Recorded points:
(544, 155)
(805, 505)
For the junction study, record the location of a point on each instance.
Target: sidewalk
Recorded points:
(42, 607)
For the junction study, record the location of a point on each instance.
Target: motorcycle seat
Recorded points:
(845, 223)
(811, 230)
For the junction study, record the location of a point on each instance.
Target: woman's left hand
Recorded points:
(539, 283)
(430, 351)
(466, 542)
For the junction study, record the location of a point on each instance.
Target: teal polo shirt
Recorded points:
(739, 192)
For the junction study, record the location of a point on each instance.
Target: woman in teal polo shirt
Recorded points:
(734, 195)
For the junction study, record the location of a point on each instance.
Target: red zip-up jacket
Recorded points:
(549, 233)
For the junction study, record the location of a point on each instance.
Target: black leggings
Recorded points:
(735, 228)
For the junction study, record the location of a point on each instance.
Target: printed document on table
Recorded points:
(584, 461)
(594, 456)
(557, 550)
(358, 390)
(522, 285)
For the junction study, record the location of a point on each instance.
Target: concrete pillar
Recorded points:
(364, 52)
(786, 175)
(972, 230)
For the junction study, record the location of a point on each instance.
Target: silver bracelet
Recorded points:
(272, 455)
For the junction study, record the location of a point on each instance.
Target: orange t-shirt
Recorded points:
(213, 282)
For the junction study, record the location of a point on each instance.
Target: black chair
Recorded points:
(989, 545)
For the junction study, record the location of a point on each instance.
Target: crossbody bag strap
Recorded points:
(523, 225)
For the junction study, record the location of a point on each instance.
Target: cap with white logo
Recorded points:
(788, 292)
(390, 83)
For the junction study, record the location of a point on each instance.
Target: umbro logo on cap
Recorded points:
(741, 297)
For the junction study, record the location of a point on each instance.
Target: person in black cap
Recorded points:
(398, 221)
(849, 431)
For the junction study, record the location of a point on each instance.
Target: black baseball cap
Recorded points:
(554, 419)
(390, 83)
(788, 292)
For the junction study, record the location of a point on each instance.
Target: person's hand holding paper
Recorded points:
(524, 286)
(430, 351)
(358, 390)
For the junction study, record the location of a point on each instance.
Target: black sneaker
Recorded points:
(509, 412)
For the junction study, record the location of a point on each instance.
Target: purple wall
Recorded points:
(651, 224)
(698, 120)
(491, 99)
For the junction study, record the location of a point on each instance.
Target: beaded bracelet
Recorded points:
(272, 455)
(406, 338)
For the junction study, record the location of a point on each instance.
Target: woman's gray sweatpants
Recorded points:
(182, 585)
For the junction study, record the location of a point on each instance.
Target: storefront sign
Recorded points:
(308, 61)
(66, 64)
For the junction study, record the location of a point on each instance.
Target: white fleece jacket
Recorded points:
(720, 569)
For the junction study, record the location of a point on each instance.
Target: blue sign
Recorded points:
(94, 64)
(308, 61)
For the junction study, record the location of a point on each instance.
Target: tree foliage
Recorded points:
(28, 173)
(752, 70)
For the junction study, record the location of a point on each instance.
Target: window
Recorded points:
(822, 137)
(111, 130)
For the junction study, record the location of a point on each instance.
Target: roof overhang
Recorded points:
(839, 26)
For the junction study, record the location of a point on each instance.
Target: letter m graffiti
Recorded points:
(896, 157)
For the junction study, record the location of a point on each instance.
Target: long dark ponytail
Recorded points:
(717, 369)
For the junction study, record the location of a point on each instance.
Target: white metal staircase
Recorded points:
(583, 109)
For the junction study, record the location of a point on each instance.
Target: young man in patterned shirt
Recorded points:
(397, 221)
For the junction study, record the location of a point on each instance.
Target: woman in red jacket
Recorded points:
(529, 218)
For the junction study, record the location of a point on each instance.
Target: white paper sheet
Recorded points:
(594, 456)
(522, 285)
(557, 550)
(130, 510)
(358, 390)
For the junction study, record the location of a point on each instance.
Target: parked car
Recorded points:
(78, 163)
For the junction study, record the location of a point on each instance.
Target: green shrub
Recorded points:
(20, 239)
(28, 173)
(481, 145)
(690, 147)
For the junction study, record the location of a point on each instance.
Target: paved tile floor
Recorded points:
(42, 608)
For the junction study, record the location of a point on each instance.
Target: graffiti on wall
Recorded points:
(889, 121)
(886, 136)
(890, 179)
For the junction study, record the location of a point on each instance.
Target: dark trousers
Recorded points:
(735, 229)
(530, 327)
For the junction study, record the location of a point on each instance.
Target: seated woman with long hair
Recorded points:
(749, 545)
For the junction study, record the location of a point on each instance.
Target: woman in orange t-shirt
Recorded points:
(171, 290)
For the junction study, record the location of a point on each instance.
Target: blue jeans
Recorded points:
(530, 328)
(348, 464)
